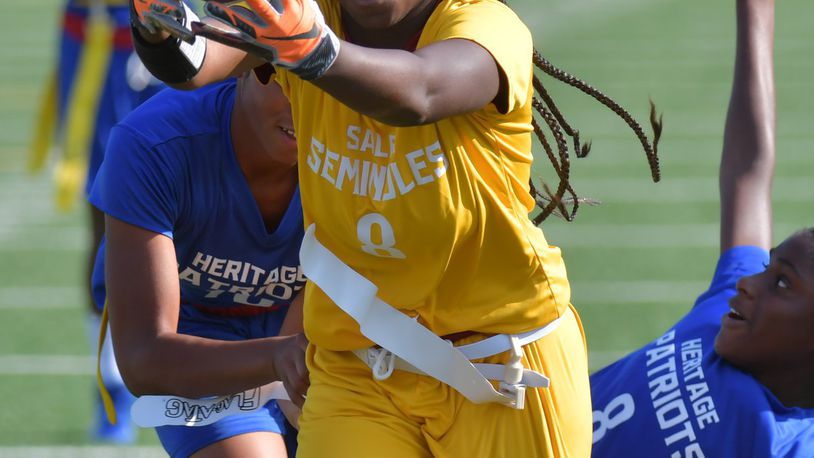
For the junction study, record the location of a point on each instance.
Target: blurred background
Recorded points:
(636, 262)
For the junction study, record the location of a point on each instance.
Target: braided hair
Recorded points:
(555, 201)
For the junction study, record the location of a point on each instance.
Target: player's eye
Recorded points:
(782, 282)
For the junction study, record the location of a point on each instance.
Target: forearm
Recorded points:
(404, 88)
(195, 367)
(293, 322)
(359, 80)
(222, 62)
(747, 162)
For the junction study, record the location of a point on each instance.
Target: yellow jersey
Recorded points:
(435, 215)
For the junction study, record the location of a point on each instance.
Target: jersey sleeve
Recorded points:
(136, 184)
(733, 264)
(283, 78)
(497, 29)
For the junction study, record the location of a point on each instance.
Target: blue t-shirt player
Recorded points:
(211, 175)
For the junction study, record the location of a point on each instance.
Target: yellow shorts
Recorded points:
(350, 414)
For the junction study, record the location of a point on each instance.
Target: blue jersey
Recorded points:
(677, 398)
(170, 168)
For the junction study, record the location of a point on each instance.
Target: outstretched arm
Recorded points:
(405, 88)
(393, 86)
(747, 162)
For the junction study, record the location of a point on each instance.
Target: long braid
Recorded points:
(651, 151)
(562, 166)
(547, 109)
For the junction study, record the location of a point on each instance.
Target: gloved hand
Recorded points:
(171, 16)
(288, 33)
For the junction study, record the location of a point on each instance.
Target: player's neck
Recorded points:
(402, 35)
(792, 387)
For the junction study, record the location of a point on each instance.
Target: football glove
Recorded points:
(287, 33)
(171, 16)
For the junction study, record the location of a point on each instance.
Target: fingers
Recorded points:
(228, 37)
(296, 385)
(232, 36)
(299, 381)
(237, 16)
(290, 367)
(267, 9)
(138, 8)
(169, 23)
(161, 17)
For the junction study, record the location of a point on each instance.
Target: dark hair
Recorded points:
(554, 202)
(808, 232)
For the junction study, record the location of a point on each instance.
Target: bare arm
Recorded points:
(293, 318)
(143, 299)
(403, 88)
(443, 79)
(747, 162)
(221, 62)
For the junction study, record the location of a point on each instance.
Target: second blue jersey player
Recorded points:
(734, 377)
(200, 261)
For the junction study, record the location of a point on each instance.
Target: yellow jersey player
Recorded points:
(414, 121)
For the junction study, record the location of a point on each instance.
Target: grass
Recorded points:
(627, 288)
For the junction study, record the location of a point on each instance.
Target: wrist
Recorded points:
(321, 58)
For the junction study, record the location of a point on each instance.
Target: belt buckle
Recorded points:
(515, 394)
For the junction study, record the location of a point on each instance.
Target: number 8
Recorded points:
(385, 249)
(619, 410)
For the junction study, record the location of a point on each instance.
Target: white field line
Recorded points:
(644, 236)
(64, 365)
(637, 292)
(41, 297)
(687, 189)
(30, 219)
(23, 199)
(632, 235)
(99, 451)
(47, 365)
(692, 152)
(603, 292)
(550, 19)
(50, 238)
(579, 234)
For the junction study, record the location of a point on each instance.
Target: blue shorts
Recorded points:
(182, 441)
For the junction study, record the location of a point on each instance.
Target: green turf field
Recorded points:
(636, 262)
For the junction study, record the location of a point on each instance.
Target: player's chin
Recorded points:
(370, 14)
(729, 345)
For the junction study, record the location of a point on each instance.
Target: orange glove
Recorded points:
(288, 33)
(171, 16)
